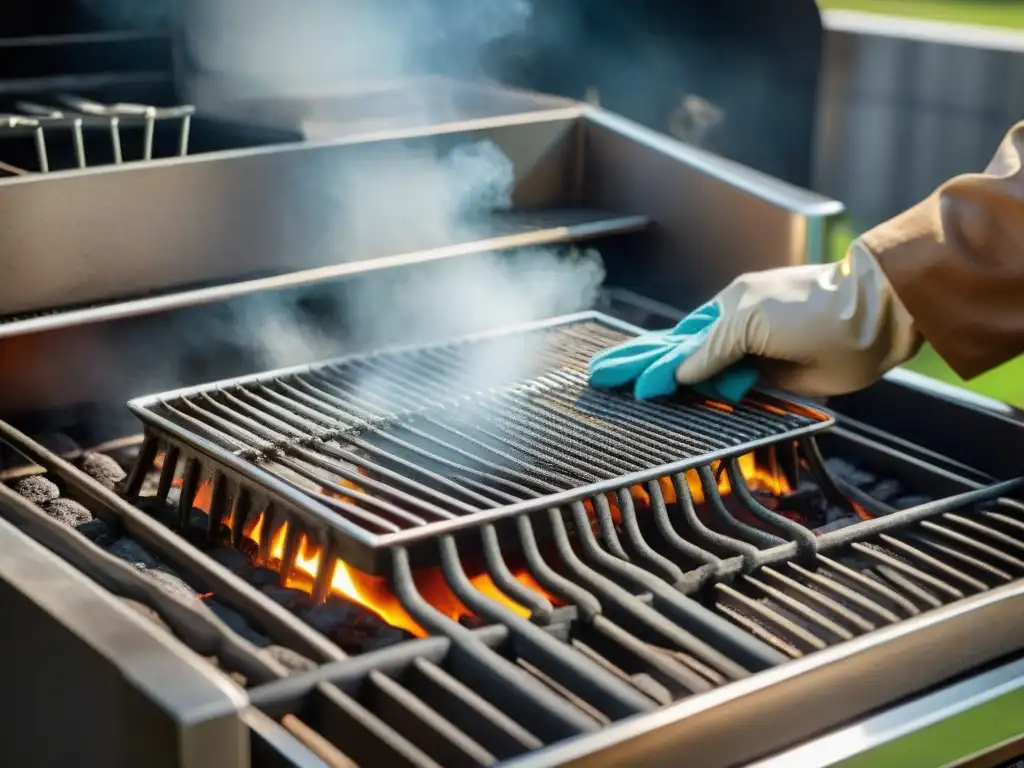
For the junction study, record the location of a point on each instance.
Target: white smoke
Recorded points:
(391, 197)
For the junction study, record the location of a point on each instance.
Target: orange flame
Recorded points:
(375, 593)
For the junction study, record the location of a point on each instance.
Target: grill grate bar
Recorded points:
(437, 737)
(497, 732)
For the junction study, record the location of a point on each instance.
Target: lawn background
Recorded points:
(1007, 382)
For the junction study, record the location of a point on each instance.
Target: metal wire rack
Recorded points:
(401, 446)
(78, 116)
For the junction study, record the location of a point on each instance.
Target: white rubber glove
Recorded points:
(819, 330)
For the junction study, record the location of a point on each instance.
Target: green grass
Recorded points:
(1005, 383)
(992, 13)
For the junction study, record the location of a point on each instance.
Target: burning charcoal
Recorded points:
(237, 623)
(174, 496)
(155, 508)
(103, 469)
(289, 659)
(292, 599)
(473, 622)
(147, 612)
(851, 474)
(67, 511)
(36, 489)
(355, 643)
(132, 552)
(261, 578)
(327, 617)
(98, 532)
(887, 491)
(250, 549)
(169, 582)
(232, 559)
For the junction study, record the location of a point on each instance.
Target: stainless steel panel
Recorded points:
(81, 237)
(942, 728)
(773, 710)
(906, 105)
(716, 219)
(89, 682)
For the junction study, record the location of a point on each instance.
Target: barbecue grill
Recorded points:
(430, 543)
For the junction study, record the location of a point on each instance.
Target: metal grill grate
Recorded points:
(404, 445)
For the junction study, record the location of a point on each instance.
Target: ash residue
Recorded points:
(36, 489)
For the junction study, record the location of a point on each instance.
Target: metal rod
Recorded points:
(79, 142)
(551, 655)
(520, 691)
(186, 124)
(147, 136)
(703, 624)
(806, 541)
(142, 466)
(44, 160)
(189, 486)
(540, 607)
(115, 139)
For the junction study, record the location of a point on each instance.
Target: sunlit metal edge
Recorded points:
(728, 726)
(860, 744)
(116, 310)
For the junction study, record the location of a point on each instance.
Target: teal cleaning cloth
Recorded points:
(650, 362)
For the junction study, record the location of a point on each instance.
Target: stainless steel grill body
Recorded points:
(650, 643)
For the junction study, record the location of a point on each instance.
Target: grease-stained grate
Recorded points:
(401, 445)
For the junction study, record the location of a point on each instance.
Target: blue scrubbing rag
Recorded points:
(650, 362)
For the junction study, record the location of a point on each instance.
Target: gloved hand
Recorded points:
(651, 360)
(817, 331)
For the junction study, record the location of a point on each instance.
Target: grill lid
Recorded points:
(400, 446)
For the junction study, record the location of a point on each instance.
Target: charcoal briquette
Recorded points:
(355, 642)
(156, 508)
(289, 659)
(36, 489)
(851, 474)
(250, 549)
(236, 622)
(103, 469)
(67, 511)
(98, 531)
(327, 617)
(132, 552)
(292, 599)
(887, 491)
(169, 582)
(262, 578)
(232, 559)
